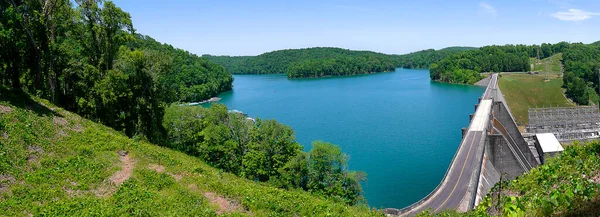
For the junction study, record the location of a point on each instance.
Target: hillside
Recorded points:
(278, 62)
(524, 91)
(54, 162)
(580, 65)
(85, 57)
(325, 61)
(423, 59)
(188, 78)
(550, 65)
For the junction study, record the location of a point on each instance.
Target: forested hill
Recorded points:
(86, 57)
(277, 62)
(464, 67)
(323, 61)
(423, 59)
(581, 64)
(190, 78)
(580, 79)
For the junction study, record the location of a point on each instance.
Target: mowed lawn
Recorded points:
(524, 91)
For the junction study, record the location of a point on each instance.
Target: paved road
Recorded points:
(454, 186)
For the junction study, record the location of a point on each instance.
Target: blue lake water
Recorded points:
(400, 128)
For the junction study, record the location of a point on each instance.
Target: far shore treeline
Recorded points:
(462, 65)
(326, 61)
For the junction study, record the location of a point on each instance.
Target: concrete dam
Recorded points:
(492, 148)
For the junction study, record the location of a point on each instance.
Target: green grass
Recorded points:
(552, 64)
(523, 91)
(53, 162)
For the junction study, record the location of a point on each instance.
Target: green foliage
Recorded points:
(565, 185)
(55, 163)
(271, 146)
(189, 78)
(324, 62)
(578, 91)
(328, 173)
(464, 67)
(184, 126)
(295, 173)
(339, 66)
(423, 59)
(264, 151)
(278, 62)
(582, 63)
(84, 55)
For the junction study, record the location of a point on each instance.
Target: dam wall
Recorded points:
(488, 177)
(502, 114)
(502, 157)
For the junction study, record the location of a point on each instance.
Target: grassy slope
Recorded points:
(53, 162)
(523, 91)
(552, 64)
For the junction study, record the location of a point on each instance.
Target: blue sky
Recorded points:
(227, 27)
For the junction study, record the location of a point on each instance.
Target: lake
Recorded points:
(400, 127)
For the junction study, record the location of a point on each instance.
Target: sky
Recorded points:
(243, 27)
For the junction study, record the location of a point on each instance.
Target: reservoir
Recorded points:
(400, 127)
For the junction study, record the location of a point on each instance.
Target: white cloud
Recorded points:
(574, 15)
(487, 9)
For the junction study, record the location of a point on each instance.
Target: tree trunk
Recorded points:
(14, 72)
(52, 75)
(33, 44)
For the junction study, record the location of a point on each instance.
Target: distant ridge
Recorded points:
(334, 61)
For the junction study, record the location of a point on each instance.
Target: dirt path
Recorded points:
(127, 164)
(224, 205)
(126, 169)
(5, 109)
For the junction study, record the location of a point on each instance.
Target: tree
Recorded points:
(84, 59)
(295, 172)
(271, 146)
(328, 173)
(577, 90)
(264, 151)
(184, 127)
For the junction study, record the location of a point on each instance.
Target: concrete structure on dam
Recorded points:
(492, 148)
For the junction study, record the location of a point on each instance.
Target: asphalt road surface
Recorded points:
(455, 184)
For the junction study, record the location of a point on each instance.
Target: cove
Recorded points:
(399, 127)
